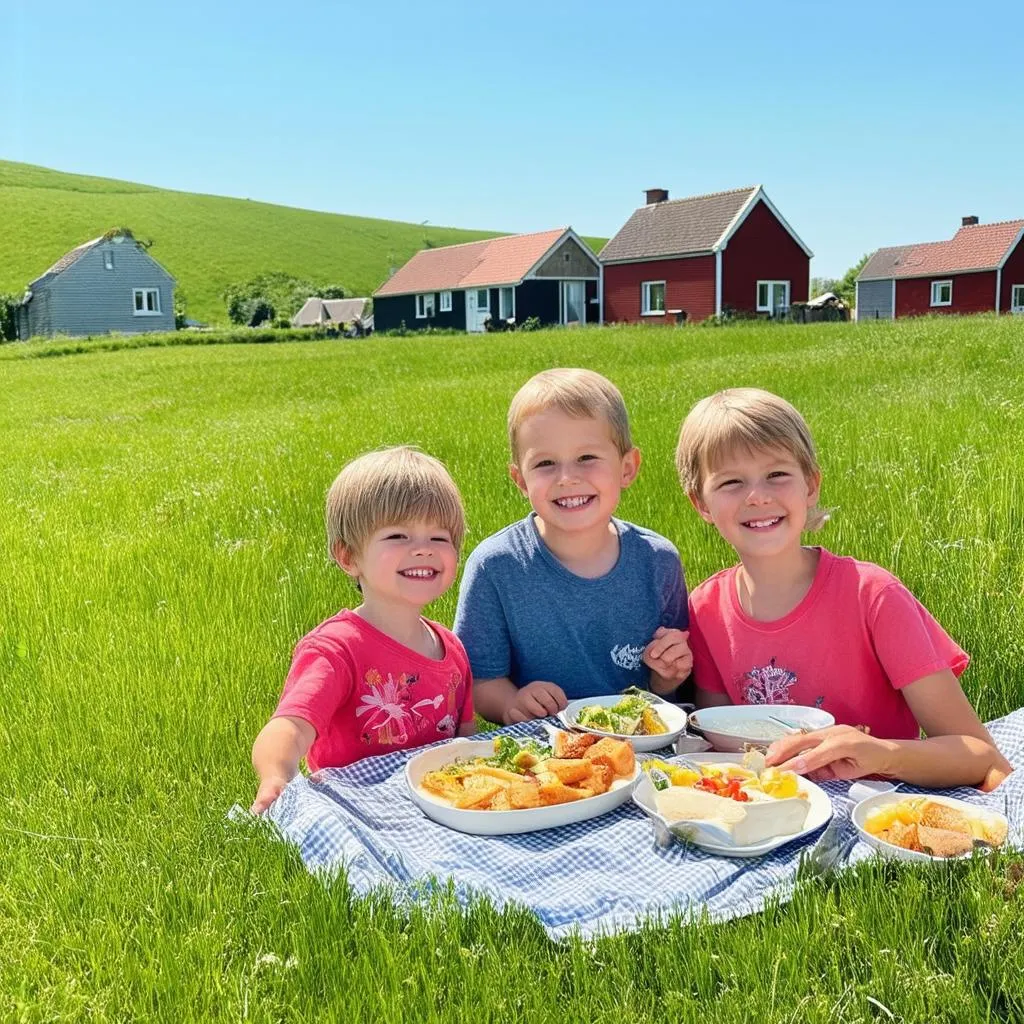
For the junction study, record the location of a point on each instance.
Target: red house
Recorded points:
(980, 269)
(688, 259)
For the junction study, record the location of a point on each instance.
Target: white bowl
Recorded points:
(723, 725)
(500, 823)
(873, 803)
(674, 717)
(819, 813)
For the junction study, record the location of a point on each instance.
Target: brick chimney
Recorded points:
(968, 222)
(656, 195)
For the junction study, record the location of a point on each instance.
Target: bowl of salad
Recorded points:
(642, 718)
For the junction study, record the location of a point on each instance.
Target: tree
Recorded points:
(9, 305)
(282, 292)
(846, 287)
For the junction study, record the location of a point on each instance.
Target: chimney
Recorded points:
(968, 222)
(656, 195)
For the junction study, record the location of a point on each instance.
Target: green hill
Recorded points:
(206, 242)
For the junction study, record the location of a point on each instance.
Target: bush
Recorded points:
(531, 323)
(284, 293)
(9, 305)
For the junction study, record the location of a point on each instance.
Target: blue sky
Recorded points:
(868, 125)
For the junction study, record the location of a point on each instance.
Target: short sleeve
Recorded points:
(481, 625)
(318, 683)
(466, 715)
(909, 643)
(705, 672)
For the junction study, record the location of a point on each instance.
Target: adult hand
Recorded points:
(270, 789)
(839, 752)
(669, 655)
(535, 700)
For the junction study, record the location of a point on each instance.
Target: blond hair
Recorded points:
(746, 418)
(388, 487)
(581, 394)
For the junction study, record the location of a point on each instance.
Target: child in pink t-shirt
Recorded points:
(799, 625)
(381, 677)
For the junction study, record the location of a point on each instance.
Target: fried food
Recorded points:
(617, 754)
(573, 744)
(932, 827)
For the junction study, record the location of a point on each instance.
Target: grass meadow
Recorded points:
(205, 242)
(162, 548)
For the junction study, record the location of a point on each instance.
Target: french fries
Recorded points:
(555, 780)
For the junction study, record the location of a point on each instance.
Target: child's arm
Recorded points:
(957, 752)
(282, 743)
(500, 700)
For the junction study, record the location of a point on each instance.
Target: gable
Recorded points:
(569, 259)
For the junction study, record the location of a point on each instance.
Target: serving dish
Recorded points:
(674, 718)
(730, 728)
(866, 808)
(494, 823)
(712, 840)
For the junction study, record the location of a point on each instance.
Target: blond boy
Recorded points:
(571, 602)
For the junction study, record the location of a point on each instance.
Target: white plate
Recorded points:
(723, 725)
(819, 813)
(501, 823)
(672, 716)
(873, 803)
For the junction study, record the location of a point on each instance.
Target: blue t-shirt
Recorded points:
(524, 615)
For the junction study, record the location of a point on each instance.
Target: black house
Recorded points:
(551, 275)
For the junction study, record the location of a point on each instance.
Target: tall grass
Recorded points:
(163, 550)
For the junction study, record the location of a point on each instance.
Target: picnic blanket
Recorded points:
(596, 877)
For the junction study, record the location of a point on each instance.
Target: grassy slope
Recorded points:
(206, 242)
(163, 553)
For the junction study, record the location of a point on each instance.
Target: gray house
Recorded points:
(108, 284)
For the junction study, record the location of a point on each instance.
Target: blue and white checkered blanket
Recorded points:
(599, 876)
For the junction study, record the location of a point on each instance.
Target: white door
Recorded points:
(478, 308)
(1017, 299)
(574, 309)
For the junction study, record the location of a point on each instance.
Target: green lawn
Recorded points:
(206, 242)
(163, 551)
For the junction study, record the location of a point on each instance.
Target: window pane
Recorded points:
(658, 298)
(139, 301)
(151, 301)
(762, 295)
(483, 299)
(779, 296)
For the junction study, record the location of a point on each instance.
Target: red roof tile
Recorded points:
(973, 247)
(492, 261)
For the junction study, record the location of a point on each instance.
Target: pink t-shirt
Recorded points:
(368, 694)
(855, 640)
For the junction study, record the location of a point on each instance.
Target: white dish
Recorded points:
(501, 823)
(873, 803)
(819, 813)
(674, 717)
(723, 725)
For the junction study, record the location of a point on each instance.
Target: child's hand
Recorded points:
(668, 654)
(270, 789)
(535, 700)
(839, 752)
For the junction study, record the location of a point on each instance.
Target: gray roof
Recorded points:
(883, 262)
(69, 258)
(677, 226)
(339, 311)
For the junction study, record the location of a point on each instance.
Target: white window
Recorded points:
(483, 298)
(108, 259)
(446, 302)
(942, 293)
(1017, 298)
(146, 301)
(424, 306)
(772, 297)
(652, 298)
(506, 303)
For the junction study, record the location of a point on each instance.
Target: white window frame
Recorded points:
(108, 259)
(445, 302)
(144, 293)
(425, 305)
(937, 287)
(767, 307)
(1017, 304)
(645, 298)
(503, 313)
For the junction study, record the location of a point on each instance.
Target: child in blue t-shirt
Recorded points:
(571, 602)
